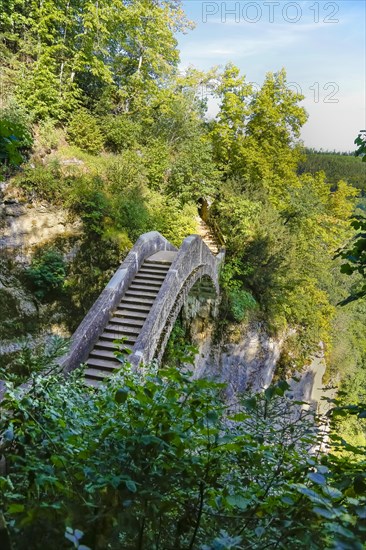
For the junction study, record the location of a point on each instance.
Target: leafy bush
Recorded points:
(30, 360)
(171, 219)
(120, 132)
(45, 181)
(49, 134)
(84, 132)
(89, 201)
(155, 458)
(47, 272)
(15, 137)
(240, 303)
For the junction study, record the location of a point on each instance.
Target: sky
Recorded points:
(321, 44)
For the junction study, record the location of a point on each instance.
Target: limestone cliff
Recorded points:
(25, 225)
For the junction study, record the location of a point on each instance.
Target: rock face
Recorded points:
(18, 309)
(248, 364)
(23, 227)
(27, 225)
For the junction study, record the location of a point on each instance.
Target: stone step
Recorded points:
(147, 269)
(92, 383)
(103, 350)
(113, 336)
(129, 308)
(138, 301)
(122, 329)
(108, 345)
(142, 293)
(138, 312)
(96, 374)
(108, 366)
(159, 267)
(141, 285)
(149, 277)
(125, 321)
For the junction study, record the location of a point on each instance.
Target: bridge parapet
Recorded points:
(193, 261)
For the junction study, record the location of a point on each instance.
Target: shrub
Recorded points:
(157, 457)
(15, 137)
(240, 303)
(120, 132)
(48, 134)
(45, 181)
(88, 200)
(84, 132)
(47, 272)
(171, 219)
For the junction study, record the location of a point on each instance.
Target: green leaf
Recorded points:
(317, 478)
(131, 486)
(121, 395)
(332, 492)
(347, 269)
(359, 484)
(9, 435)
(250, 403)
(16, 508)
(325, 513)
(238, 501)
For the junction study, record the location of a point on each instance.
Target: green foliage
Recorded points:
(49, 134)
(361, 142)
(47, 272)
(179, 347)
(193, 174)
(356, 258)
(15, 138)
(83, 131)
(240, 303)
(38, 91)
(171, 219)
(120, 132)
(31, 360)
(336, 167)
(88, 200)
(150, 460)
(42, 181)
(352, 396)
(94, 264)
(57, 54)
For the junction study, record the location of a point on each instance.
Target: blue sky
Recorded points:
(321, 44)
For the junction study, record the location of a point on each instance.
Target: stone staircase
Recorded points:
(205, 232)
(128, 318)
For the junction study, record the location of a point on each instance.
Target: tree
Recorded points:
(361, 142)
(74, 50)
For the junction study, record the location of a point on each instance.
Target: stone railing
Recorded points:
(89, 330)
(193, 261)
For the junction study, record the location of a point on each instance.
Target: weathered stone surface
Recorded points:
(18, 310)
(248, 364)
(98, 316)
(25, 225)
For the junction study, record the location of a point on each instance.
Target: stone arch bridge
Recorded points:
(141, 303)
